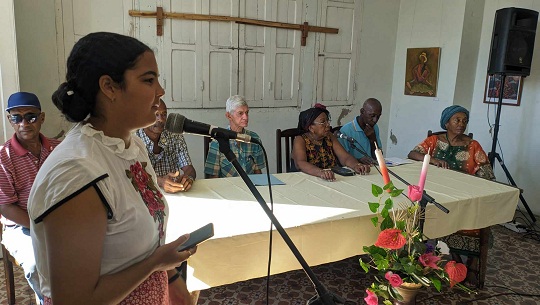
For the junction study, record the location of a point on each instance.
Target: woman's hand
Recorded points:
(439, 163)
(362, 169)
(167, 256)
(327, 175)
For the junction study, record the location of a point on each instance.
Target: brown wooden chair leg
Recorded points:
(483, 258)
(8, 274)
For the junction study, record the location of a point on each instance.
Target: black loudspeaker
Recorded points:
(512, 42)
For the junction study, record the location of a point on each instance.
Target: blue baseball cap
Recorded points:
(23, 99)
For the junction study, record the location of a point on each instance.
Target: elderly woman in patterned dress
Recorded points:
(317, 151)
(455, 150)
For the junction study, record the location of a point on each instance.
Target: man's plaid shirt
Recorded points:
(249, 155)
(174, 153)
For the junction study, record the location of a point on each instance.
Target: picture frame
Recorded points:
(422, 71)
(513, 86)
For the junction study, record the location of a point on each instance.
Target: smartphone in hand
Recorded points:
(198, 236)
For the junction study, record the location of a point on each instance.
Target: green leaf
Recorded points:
(364, 266)
(374, 206)
(387, 302)
(389, 186)
(421, 279)
(388, 204)
(436, 283)
(395, 192)
(400, 225)
(375, 221)
(384, 213)
(376, 190)
(387, 223)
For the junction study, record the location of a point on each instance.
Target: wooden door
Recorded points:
(338, 52)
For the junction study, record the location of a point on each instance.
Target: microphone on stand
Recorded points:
(343, 136)
(177, 123)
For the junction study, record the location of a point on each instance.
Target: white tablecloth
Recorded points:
(327, 221)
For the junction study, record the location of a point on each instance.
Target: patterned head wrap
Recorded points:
(308, 116)
(449, 112)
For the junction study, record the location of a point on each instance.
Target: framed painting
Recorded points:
(513, 85)
(422, 71)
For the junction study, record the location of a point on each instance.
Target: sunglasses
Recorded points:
(28, 117)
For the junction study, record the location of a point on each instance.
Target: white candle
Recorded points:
(423, 173)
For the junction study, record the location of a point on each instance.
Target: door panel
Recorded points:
(337, 54)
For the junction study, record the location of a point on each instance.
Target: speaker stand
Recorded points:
(493, 153)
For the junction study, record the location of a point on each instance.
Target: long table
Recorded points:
(327, 221)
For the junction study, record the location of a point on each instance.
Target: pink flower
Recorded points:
(391, 239)
(457, 272)
(371, 298)
(394, 279)
(414, 193)
(429, 260)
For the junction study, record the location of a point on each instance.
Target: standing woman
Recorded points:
(98, 218)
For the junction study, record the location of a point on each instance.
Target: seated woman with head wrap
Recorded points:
(454, 149)
(317, 150)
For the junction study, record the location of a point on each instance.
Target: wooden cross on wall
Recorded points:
(305, 28)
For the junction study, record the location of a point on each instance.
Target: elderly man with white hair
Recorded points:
(249, 155)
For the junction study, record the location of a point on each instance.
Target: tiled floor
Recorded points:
(513, 274)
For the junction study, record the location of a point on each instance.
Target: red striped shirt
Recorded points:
(18, 169)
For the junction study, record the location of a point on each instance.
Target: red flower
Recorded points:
(429, 260)
(139, 175)
(394, 279)
(457, 272)
(391, 239)
(414, 193)
(371, 298)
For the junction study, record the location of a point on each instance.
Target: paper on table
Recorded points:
(261, 179)
(396, 161)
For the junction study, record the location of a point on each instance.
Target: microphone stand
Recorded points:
(426, 198)
(323, 297)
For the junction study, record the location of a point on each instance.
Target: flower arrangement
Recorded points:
(401, 255)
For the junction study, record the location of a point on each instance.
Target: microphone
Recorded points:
(177, 123)
(343, 136)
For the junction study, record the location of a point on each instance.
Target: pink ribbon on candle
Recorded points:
(382, 165)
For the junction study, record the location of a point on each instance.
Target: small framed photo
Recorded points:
(513, 85)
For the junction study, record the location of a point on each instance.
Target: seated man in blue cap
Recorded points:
(20, 160)
(365, 132)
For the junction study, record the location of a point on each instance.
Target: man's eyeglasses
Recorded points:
(28, 117)
(327, 122)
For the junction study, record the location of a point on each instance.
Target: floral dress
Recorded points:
(469, 159)
(320, 154)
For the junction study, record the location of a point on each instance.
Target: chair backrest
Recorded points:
(430, 133)
(289, 135)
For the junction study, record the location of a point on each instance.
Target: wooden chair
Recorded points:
(483, 240)
(8, 272)
(289, 135)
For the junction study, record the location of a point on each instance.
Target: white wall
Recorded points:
(463, 30)
(517, 134)
(9, 72)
